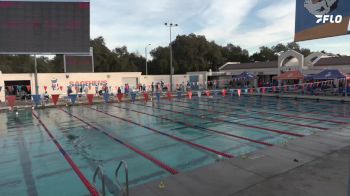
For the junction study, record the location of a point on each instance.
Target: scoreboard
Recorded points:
(44, 27)
(78, 64)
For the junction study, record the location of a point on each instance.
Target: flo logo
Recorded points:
(321, 9)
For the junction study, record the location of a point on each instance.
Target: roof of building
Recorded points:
(253, 65)
(343, 60)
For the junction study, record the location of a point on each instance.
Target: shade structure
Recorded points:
(290, 75)
(329, 74)
(245, 76)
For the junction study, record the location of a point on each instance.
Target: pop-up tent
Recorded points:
(290, 75)
(245, 76)
(329, 74)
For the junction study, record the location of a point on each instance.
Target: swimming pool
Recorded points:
(56, 151)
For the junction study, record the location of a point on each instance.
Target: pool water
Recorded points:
(155, 139)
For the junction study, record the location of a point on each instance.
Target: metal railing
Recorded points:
(125, 189)
(99, 172)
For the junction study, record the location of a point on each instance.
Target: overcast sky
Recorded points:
(248, 23)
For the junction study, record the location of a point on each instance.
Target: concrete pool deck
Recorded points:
(315, 165)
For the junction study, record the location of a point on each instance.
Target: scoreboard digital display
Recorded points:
(78, 64)
(44, 27)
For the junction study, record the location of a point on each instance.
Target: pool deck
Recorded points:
(315, 165)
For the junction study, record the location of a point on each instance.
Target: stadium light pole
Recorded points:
(171, 25)
(146, 55)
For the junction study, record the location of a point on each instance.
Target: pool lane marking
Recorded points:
(201, 128)
(241, 116)
(25, 162)
(288, 115)
(225, 121)
(317, 113)
(168, 135)
(140, 152)
(76, 169)
(237, 123)
(259, 112)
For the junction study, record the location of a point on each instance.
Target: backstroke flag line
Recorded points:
(321, 18)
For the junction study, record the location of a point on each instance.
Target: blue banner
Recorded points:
(133, 97)
(106, 97)
(36, 99)
(73, 98)
(158, 96)
(321, 18)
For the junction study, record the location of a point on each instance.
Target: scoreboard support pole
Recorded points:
(36, 75)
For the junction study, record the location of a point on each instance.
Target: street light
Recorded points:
(170, 25)
(146, 55)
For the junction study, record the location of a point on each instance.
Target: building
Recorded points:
(57, 83)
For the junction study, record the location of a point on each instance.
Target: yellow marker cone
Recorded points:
(161, 185)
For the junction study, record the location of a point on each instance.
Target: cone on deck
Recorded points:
(190, 94)
(169, 95)
(55, 99)
(239, 92)
(90, 98)
(146, 97)
(120, 97)
(11, 100)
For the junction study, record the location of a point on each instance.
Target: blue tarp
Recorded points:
(245, 76)
(329, 74)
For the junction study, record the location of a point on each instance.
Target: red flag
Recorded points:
(190, 94)
(55, 99)
(90, 98)
(29, 88)
(263, 90)
(239, 92)
(120, 97)
(224, 91)
(11, 100)
(169, 95)
(207, 93)
(45, 88)
(145, 95)
(61, 88)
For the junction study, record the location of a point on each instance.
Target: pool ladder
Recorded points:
(123, 190)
